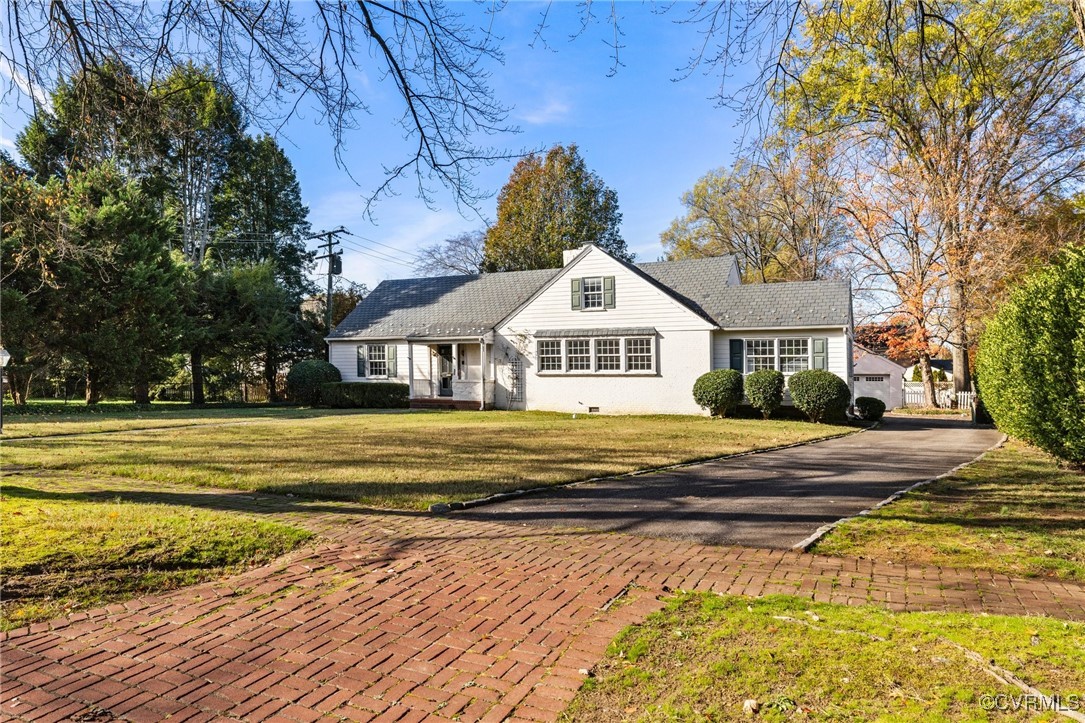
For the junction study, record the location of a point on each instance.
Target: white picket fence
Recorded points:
(943, 395)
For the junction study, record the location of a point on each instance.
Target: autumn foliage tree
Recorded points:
(550, 204)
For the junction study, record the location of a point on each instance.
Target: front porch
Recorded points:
(451, 373)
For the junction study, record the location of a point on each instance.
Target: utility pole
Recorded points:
(335, 267)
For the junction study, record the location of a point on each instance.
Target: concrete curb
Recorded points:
(826, 529)
(441, 508)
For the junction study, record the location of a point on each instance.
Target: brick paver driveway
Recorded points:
(772, 500)
(411, 617)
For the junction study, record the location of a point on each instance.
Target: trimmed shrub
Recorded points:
(765, 391)
(304, 379)
(1030, 368)
(365, 395)
(718, 391)
(821, 395)
(869, 408)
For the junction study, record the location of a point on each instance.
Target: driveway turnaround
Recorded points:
(770, 500)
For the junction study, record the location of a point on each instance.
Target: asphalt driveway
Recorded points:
(772, 500)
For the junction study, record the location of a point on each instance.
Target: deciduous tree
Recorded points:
(550, 204)
(459, 254)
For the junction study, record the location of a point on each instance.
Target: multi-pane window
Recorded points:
(794, 355)
(638, 355)
(378, 360)
(592, 291)
(760, 354)
(550, 355)
(578, 355)
(608, 355)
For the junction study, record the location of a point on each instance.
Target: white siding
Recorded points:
(838, 347)
(637, 303)
(344, 355)
(682, 356)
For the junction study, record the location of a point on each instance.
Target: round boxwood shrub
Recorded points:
(869, 408)
(1030, 368)
(718, 391)
(304, 379)
(820, 395)
(765, 390)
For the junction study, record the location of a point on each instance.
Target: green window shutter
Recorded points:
(361, 361)
(608, 292)
(392, 360)
(821, 353)
(736, 354)
(576, 294)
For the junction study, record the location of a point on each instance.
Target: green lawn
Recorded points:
(55, 419)
(704, 655)
(1014, 512)
(64, 549)
(405, 461)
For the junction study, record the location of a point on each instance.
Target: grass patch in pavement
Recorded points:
(62, 550)
(408, 461)
(704, 655)
(1014, 512)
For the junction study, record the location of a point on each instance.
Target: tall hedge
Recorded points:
(765, 390)
(821, 395)
(305, 378)
(1030, 367)
(718, 391)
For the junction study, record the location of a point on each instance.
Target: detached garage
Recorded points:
(878, 377)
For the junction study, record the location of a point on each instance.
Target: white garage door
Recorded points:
(867, 385)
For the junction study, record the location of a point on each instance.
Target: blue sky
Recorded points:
(646, 133)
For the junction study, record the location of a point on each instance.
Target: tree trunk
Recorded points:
(141, 392)
(19, 384)
(929, 397)
(271, 373)
(196, 360)
(958, 337)
(94, 385)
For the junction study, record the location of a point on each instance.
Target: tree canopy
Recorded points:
(550, 204)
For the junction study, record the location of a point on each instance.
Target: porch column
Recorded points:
(482, 373)
(410, 370)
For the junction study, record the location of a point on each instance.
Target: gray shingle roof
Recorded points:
(451, 306)
(752, 306)
(440, 306)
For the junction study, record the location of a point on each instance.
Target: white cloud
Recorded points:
(552, 110)
(7, 143)
(24, 84)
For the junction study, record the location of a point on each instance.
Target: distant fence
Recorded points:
(944, 396)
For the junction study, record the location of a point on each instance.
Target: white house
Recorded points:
(597, 335)
(878, 377)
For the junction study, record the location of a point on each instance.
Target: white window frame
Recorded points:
(593, 295)
(628, 364)
(369, 351)
(583, 358)
(780, 356)
(613, 357)
(586, 350)
(556, 358)
(766, 353)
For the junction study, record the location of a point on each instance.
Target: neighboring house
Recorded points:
(945, 365)
(597, 335)
(877, 376)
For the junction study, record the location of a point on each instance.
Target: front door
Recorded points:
(445, 370)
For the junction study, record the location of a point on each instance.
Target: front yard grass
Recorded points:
(1014, 512)
(407, 461)
(704, 655)
(64, 550)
